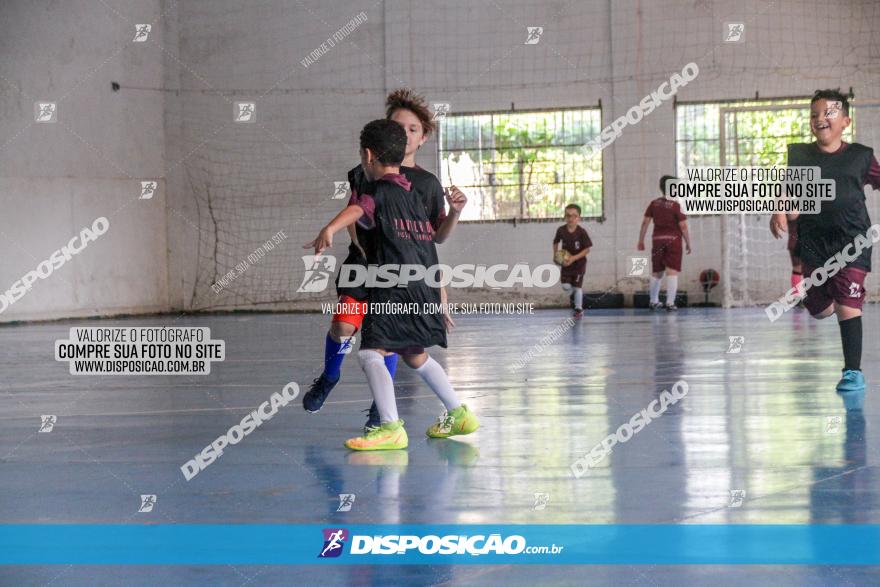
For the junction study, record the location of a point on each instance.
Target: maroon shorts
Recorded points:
(666, 254)
(792, 235)
(847, 288)
(575, 279)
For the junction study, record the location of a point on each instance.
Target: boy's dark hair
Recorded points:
(574, 207)
(386, 139)
(663, 181)
(407, 99)
(834, 96)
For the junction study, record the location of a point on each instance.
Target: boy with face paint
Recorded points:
(834, 229)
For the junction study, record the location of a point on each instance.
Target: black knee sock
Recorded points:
(851, 338)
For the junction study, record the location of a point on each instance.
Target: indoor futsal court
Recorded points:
(439, 293)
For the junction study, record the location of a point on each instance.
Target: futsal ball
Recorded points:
(559, 257)
(709, 278)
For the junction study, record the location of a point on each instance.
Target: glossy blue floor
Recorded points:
(760, 437)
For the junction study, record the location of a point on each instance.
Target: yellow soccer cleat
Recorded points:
(388, 436)
(455, 423)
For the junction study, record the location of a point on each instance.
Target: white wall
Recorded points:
(58, 178)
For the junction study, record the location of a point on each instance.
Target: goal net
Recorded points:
(756, 267)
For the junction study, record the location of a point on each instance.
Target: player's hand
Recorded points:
(688, 249)
(448, 322)
(778, 225)
(641, 246)
(456, 198)
(567, 261)
(324, 241)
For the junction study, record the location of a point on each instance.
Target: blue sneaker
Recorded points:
(317, 394)
(851, 388)
(373, 419)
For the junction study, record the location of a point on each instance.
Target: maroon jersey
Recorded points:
(666, 215)
(573, 243)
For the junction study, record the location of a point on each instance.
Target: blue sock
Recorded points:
(391, 364)
(333, 358)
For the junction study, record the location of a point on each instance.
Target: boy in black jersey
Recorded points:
(411, 112)
(400, 233)
(836, 230)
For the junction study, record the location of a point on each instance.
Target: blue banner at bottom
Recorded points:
(108, 544)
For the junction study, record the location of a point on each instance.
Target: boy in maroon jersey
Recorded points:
(576, 242)
(670, 227)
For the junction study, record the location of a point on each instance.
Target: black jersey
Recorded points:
(426, 188)
(402, 234)
(822, 235)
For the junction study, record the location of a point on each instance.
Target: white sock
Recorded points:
(578, 298)
(381, 384)
(434, 375)
(671, 289)
(655, 290)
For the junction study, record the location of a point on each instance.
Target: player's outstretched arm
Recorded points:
(457, 201)
(642, 232)
(347, 217)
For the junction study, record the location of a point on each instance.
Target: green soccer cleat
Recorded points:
(457, 422)
(388, 436)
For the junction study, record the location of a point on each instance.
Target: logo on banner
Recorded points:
(334, 540)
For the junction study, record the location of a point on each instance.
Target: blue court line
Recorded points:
(279, 544)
